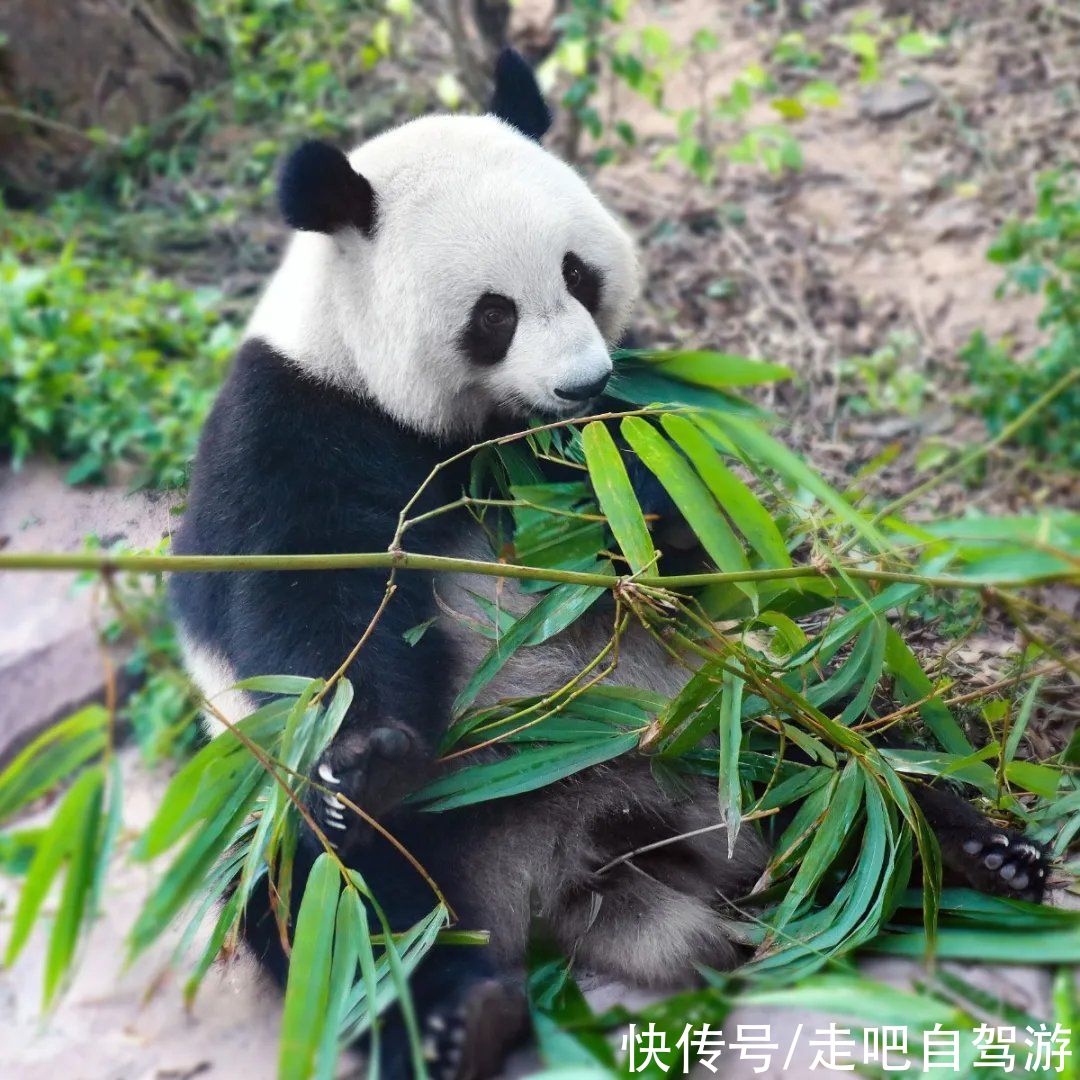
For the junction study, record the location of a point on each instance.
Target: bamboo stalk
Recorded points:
(106, 563)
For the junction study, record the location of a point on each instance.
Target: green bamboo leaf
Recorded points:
(804, 825)
(794, 788)
(307, 991)
(988, 946)
(871, 670)
(52, 758)
(935, 763)
(53, 849)
(560, 607)
(284, 685)
(825, 844)
(691, 714)
(706, 367)
(860, 998)
(913, 684)
(348, 941)
(526, 770)
(789, 637)
(1016, 732)
(730, 735)
(1043, 780)
(208, 779)
(691, 497)
(78, 889)
(736, 499)
(110, 832)
(185, 877)
(616, 496)
(757, 447)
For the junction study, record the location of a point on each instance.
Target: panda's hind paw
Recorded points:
(469, 1038)
(1006, 863)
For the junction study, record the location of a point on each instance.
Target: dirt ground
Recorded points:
(882, 236)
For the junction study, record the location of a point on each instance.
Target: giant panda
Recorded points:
(449, 279)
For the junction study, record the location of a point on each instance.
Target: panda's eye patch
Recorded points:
(582, 282)
(490, 329)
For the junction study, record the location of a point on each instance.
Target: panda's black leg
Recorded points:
(470, 1016)
(982, 855)
(470, 1004)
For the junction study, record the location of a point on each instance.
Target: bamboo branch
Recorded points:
(104, 562)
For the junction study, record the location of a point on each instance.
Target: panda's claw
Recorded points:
(326, 774)
(372, 767)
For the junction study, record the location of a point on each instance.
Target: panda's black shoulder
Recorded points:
(282, 450)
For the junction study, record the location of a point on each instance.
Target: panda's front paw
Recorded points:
(373, 768)
(1006, 863)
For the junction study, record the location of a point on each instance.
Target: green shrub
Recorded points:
(103, 374)
(1042, 255)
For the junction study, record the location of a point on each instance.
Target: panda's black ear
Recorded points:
(517, 98)
(319, 191)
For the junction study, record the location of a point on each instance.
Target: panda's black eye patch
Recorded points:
(490, 329)
(583, 282)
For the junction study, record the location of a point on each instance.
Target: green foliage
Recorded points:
(765, 684)
(101, 374)
(596, 41)
(1042, 256)
(888, 380)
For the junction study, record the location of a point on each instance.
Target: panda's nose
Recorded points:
(583, 391)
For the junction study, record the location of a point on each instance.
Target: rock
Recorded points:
(96, 65)
(50, 654)
(893, 102)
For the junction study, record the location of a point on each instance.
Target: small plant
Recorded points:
(599, 53)
(106, 374)
(887, 379)
(1041, 255)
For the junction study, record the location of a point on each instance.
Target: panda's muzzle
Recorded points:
(583, 391)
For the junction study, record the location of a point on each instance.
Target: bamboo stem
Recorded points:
(103, 562)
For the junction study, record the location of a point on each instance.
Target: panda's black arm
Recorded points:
(287, 466)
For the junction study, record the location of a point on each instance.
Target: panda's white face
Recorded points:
(492, 283)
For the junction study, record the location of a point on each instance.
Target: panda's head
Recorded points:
(451, 269)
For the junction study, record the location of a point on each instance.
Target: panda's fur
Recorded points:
(356, 377)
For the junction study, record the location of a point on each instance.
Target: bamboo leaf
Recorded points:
(348, 941)
(560, 607)
(52, 758)
(706, 367)
(730, 733)
(692, 498)
(1016, 732)
(307, 991)
(208, 780)
(526, 770)
(53, 849)
(736, 499)
(912, 684)
(78, 889)
(759, 448)
(616, 496)
(825, 844)
(284, 685)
